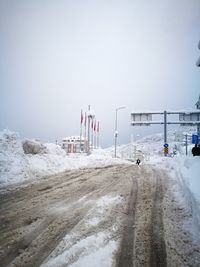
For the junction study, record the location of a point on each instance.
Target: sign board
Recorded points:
(189, 117)
(141, 117)
(144, 118)
(195, 139)
(166, 145)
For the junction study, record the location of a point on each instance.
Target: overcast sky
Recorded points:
(59, 56)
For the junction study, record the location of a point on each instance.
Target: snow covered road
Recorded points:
(119, 215)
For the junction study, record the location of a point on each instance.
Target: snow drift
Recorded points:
(22, 160)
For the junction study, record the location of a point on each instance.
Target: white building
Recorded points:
(73, 144)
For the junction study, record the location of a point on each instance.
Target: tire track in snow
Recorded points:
(125, 257)
(158, 255)
(32, 248)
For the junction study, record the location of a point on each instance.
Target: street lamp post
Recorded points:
(90, 117)
(116, 132)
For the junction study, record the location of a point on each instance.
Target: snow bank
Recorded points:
(192, 172)
(185, 186)
(17, 166)
(12, 161)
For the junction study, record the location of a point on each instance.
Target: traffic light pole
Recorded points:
(165, 126)
(165, 133)
(186, 144)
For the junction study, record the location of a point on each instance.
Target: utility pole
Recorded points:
(186, 144)
(116, 132)
(165, 134)
(90, 117)
(165, 126)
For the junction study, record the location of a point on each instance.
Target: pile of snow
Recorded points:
(33, 147)
(22, 160)
(191, 173)
(12, 161)
(185, 186)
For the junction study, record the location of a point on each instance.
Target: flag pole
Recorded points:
(95, 139)
(98, 135)
(88, 143)
(85, 136)
(92, 134)
(81, 128)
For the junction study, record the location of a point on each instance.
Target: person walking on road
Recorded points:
(138, 162)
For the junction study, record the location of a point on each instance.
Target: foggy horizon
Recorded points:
(58, 57)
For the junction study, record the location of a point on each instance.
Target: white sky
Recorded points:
(57, 57)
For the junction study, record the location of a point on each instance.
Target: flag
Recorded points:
(92, 124)
(81, 116)
(95, 126)
(98, 127)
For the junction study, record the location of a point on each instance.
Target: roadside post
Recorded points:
(186, 144)
(165, 134)
(166, 149)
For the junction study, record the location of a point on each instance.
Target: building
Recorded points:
(73, 144)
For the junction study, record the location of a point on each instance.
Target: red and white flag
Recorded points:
(95, 126)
